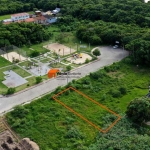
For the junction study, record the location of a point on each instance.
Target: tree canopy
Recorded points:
(22, 33)
(139, 110)
(122, 11)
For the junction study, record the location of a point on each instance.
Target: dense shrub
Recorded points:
(34, 53)
(115, 93)
(128, 60)
(38, 80)
(87, 60)
(11, 91)
(123, 90)
(19, 112)
(96, 52)
(68, 68)
(74, 133)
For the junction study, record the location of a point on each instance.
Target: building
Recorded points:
(19, 17)
(40, 20)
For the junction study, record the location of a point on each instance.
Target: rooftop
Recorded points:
(29, 20)
(19, 14)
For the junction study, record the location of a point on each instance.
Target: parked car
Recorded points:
(115, 46)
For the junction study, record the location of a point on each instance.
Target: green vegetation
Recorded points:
(88, 109)
(68, 68)
(4, 62)
(11, 91)
(138, 110)
(20, 71)
(58, 65)
(38, 80)
(96, 52)
(20, 34)
(114, 86)
(5, 17)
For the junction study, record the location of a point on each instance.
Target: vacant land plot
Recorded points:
(59, 49)
(87, 109)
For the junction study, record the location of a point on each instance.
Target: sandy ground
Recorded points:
(59, 49)
(79, 60)
(9, 56)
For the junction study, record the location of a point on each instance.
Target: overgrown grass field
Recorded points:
(54, 127)
(88, 109)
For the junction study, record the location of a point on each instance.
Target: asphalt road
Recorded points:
(108, 56)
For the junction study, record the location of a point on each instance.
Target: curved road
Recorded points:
(108, 56)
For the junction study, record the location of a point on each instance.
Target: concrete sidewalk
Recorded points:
(108, 56)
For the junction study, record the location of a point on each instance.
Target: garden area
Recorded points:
(52, 126)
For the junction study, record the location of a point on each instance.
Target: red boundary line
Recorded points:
(103, 131)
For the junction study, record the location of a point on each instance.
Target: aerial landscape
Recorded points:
(75, 75)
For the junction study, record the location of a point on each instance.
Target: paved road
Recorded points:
(108, 56)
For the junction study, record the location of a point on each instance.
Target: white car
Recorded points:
(116, 46)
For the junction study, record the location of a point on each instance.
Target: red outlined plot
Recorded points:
(79, 115)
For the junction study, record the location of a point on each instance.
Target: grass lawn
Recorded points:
(9, 15)
(20, 71)
(52, 126)
(58, 65)
(25, 63)
(31, 82)
(37, 47)
(5, 17)
(4, 62)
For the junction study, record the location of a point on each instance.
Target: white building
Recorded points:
(20, 16)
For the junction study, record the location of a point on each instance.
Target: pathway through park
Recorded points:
(108, 56)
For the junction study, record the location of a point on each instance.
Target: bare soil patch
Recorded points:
(79, 60)
(59, 49)
(13, 55)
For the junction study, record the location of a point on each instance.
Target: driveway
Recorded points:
(108, 56)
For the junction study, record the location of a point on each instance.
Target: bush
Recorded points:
(19, 112)
(128, 60)
(115, 93)
(11, 91)
(107, 69)
(96, 52)
(68, 68)
(38, 80)
(34, 53)
(87, 60)
(123, 90)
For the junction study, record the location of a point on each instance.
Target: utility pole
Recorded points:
(67, 77)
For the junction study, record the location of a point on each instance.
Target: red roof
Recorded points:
(19, 14)
(40, 18)
(30, 20)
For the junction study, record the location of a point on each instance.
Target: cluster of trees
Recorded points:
(132, 37)
(124, 11)
(22, 33)
(10, 7)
